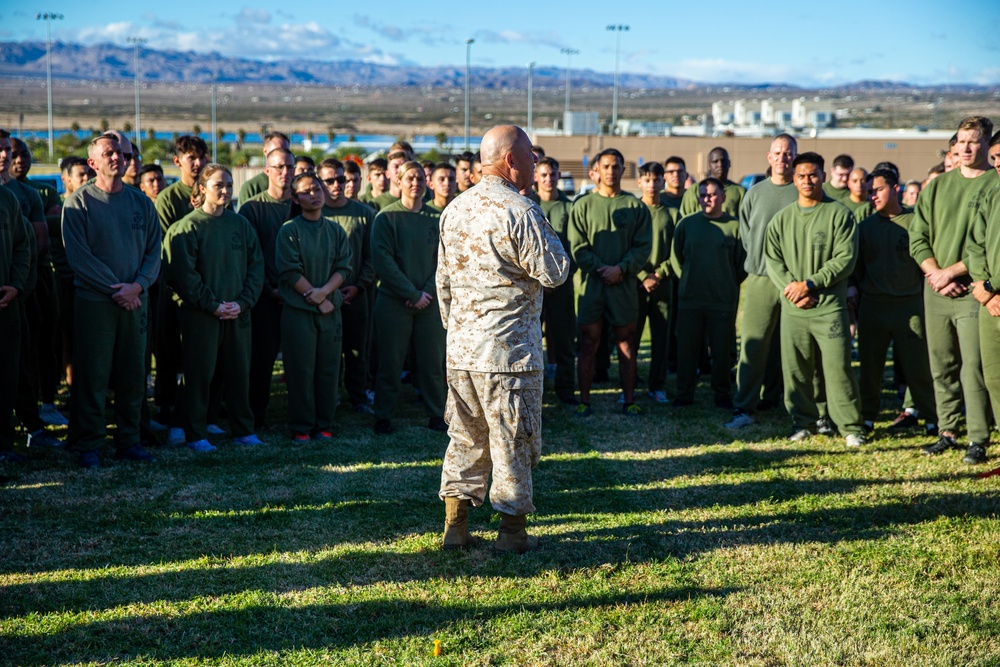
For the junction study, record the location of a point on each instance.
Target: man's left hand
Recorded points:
(127, 295)
(796, 291)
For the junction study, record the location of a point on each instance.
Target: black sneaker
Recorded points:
(943, 444)
(975, 454)
(825, 427)
(903, 420)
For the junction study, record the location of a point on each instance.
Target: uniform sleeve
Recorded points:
(391, 277)
(149, 269)
(540, 252)
(254, 281)
(344, 255)
(975, 246)
(579, 244)
(442, 277)
(642, 243)
(165, 211)
(86, 267)
(920, 231)
(777, 269)
(288, 256)
(181, 249)
(845, 252)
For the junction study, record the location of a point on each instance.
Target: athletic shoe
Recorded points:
(202, 446)
(801, 434)
(943, 444)
(300, 438)
(659, 396)
(903, 420)
(156, 426)
(854, 440)
(931, 429)
(214, 429)
(323, 436)
(632, 410)
(437, 424)
(176, 437)
(975, 454)
(135, 453)
(583, 410)
(825, 427)
(248, 440)
(51, 415)
(739, 420)
(42, 438)
(383, 427)
(89, 460)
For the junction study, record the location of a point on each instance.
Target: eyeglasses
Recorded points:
(335, 179)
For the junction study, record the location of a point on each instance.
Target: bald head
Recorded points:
(498, 142)
(506, 152)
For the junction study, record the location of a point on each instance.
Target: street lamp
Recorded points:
(569, 55)
(468, 61)
(531, 72)
(215, 126)
(48, 17)
(137, 42)
(617, 29)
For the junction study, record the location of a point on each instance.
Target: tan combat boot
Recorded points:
(513, 536)
(456, 525)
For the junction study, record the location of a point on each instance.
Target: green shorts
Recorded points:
(617, 304)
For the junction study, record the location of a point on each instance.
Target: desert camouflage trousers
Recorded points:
(495, 425)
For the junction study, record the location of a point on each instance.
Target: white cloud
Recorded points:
(248, 15)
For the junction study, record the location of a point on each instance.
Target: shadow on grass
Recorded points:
(265, 627)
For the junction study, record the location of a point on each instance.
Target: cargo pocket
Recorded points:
(519, 400)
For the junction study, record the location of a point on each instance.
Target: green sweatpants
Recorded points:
(695, 326)
(654, 307)
(760, 362)
(397, 329)
(899, 320)
(109, 349)
(989, 345)
(310, 348)
(210, 346)
(802, 339)
(10, 351)
(560, 336)
(953, 348)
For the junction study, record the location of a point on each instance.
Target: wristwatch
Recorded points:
(988, 287)
(810, 285)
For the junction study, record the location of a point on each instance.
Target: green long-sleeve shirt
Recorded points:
(658, 261)
(885, 268)
(610, 231)
(356, 220)
(708, 257)
(944, 212)
(172, 204)
(843, 195)
(15, 248)
(314, 250)
(819, 243)
(110, 238)
(266, 215)
(983, 244)
(404, 251)
(759, 205)
(734, 197)
(253, 187)
(211, 259)
(384, 200)
(558, 213)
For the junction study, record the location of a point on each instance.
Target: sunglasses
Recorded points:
(335, 179)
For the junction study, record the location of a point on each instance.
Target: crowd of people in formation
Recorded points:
(834, 262)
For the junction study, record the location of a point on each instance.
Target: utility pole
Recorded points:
(49, 17)
(137, 42)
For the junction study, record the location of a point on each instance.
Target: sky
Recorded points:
(812, 44)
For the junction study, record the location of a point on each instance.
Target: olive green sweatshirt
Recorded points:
(383, 200)
(759, 205)
(658, 261)
(885, 268)
(314, 250)
(944, 212)
(266, 215)
(15, 247)
(610, 231)
(253, 187)
(211, 259)
(819, 243)
(558, 213)
(404, 251)
(708, 258)
(673, 205)
(172, 204)
(861, 210)
(983, 244)
(356, 220)
(843, 195)
(110, 238)
(734, 197)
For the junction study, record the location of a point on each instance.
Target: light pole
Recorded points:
(48, 17)
(531, 73)
(468, 62)
(137, 42)
(569, 55)
(617, 29)
(215, 127)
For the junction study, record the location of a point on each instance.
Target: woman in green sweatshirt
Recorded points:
(404, 252)
(215, 268)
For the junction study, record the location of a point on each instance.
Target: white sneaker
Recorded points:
(801, 434)
(739, 420)
(659, 396)
(176, 437)
(50, 415)
(214, 429)
(855, 440)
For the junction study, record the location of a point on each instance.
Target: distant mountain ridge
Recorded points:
(109, 62)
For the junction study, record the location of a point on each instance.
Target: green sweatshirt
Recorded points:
(356, 220)
(211, 259)
(758, 207)
(673, 205)
(944, 212)
(266, 215)
(15, 247)
(558, 213)
(983, 245)
(708, 257)
(819, 243)
(314, 250)
(110, 238)
(861, 210)
(30, 201)
(404, 251)
(609, 231)
(383, 200)
(885, 268)
(734, 197)
(843, 195)
(663, 236)
(253, 187)
(172, 204)
(49, 195)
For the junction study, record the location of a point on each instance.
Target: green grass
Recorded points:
(665, 541)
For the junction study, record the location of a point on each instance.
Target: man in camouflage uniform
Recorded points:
(496, 254)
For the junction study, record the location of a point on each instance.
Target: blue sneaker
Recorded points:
(248, 440)
(202, 446)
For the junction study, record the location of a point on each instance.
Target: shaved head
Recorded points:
(506, 152)
(499, 141)
(122, 141)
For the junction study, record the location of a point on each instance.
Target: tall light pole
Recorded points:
(137, 42)
(49, 17)
(531, 73)
(569, 56)
(617, 29)
(468, 67)
(215, 127)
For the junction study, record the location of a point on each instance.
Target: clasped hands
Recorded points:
(798, 293)
(986, 298)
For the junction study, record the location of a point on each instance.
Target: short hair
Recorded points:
(464, 157)
(711, 180)
(443, 165)
(401, 145)
(19, 146)
(981, 123)
(477, 158)
(538, 150)
(189, 143)
(407, 166)
(95, 140)
(913, 181)
(428, 164)
(617, 154)
(395, 155)
(550, 162)
(844, 161)
(996, 139)
(675, 159)
(4, 134)
(351, 167)
(888, 175)
(953, 140)
(891, 166)
(379, 163)
(784, 136)
(276, 135)
(198, 191)
(809, 157)
(146, 168)
(331, 163)
(654, 168)
(67, 163)
(305, 159)
(279, 151)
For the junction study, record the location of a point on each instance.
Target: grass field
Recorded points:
(664, 541)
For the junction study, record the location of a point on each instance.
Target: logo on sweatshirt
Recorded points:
(819, 241)
(236, 242)
(138, 223)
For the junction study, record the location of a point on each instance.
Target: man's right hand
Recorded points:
(980, 293)
(7, 295)
(651, 282)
